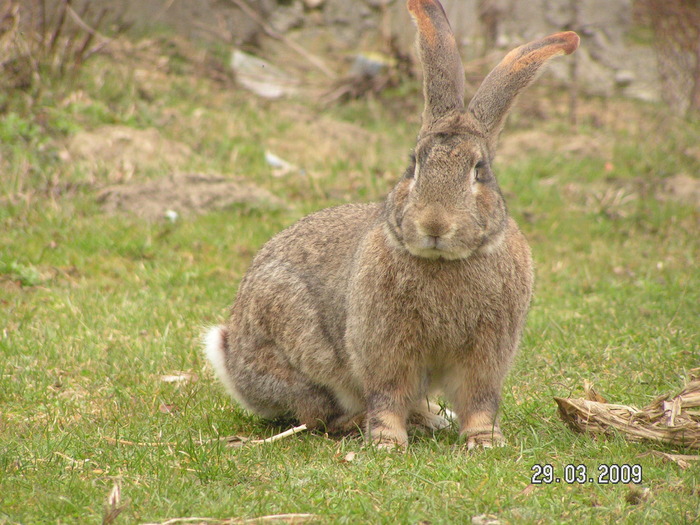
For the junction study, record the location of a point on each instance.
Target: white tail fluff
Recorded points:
(215, 349)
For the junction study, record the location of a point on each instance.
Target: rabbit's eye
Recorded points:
(481, 172)
(411, 170)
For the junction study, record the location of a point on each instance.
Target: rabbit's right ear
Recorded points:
(443, 73)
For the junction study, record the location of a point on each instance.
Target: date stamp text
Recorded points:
(571, 474)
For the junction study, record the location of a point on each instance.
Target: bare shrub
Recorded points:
(45, 40)
(676, 26)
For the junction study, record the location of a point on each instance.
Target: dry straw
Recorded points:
(674, 420)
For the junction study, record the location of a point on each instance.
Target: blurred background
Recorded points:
(90, 86)
(645, 49)
(148, 148)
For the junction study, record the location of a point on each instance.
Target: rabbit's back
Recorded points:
(294, 296)
(320, 243)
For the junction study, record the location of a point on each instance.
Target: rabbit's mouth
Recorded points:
(433, 247)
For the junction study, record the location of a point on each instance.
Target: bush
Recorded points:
(42, 41)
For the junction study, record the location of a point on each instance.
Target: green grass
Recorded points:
(96, 308)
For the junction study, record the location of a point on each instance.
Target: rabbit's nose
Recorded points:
(434, 224)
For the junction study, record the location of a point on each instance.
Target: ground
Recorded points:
(103, 378)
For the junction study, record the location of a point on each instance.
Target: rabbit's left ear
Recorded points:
(443, 73)
(517, 70)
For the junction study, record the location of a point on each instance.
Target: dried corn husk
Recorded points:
(674, 420)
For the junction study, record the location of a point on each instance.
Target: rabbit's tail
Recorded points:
(216, 348)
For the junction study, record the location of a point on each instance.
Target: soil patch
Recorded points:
(312, 142)
(184, 194)
(126, 150)
(520, 144)
(614, 197)
(681, 188)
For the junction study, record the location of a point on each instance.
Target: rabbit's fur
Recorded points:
(362, 311)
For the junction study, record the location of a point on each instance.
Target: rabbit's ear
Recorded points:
(443, 73)
(516, 71)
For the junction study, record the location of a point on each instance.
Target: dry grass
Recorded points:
(673, 420)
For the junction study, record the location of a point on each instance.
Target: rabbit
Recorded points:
(360, 312)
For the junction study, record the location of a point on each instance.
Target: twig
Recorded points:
(114, 505)
(279, 436)
(70, 460)
(173, 521)
(84, 53)
(80, 53)
(272, 33)
(97, 48)
(84, 26)
(59, 27)
(228, 439)
(115, 441)
(241, 441)
(682, 460)
(42, 6)
(287, 518)
(12, 13)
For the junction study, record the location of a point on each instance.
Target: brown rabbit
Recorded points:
(362, 311)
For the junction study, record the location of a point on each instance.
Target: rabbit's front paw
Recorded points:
(428, 415)
(484, 438)
(390, 441)
(387, 430)
(347, 424)
(390, 446)
(431, 421)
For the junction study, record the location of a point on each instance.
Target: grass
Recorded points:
(96, 309)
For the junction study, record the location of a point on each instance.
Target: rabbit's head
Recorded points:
(449, 205)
